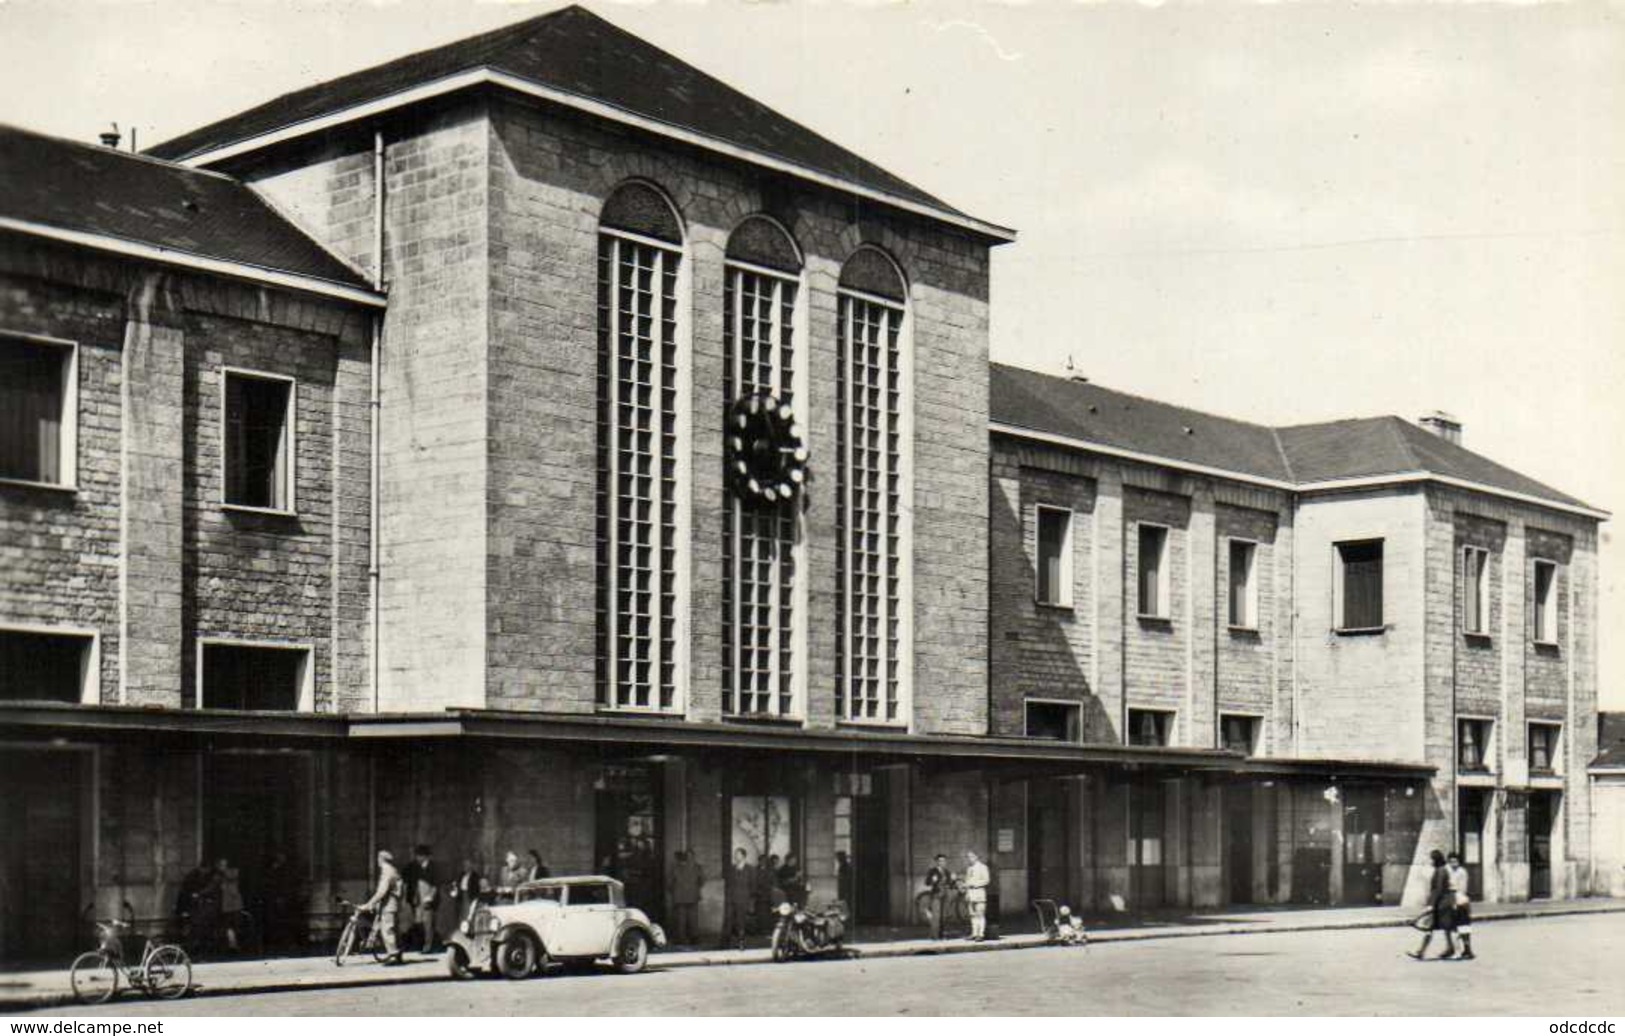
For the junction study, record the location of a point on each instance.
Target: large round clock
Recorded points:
(766, 453)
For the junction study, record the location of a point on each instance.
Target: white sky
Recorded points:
(1281, 213)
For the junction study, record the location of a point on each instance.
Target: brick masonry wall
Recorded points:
(550, 173)
(1246, 657)
(1039, 650)
(1156, 673)
(1362, 696)
(146, 339)
(250, 576)
(60, 551)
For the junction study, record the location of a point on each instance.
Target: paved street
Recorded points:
(1561, 965)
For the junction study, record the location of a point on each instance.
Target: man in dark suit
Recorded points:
(739, 896)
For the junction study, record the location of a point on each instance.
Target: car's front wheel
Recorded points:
(517, 956)
(632, 953)
(457, 963)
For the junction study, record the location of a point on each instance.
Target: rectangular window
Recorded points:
(1055, 720)
(758, 539)
(1359, 589)
(1543, 748)
(1150, 727)
(869, 516)
(1154, 571)
(259, 445)
(1054, 556)
(1475, 590)
(42, 666)
(1239, 734)
(1545, 609)
(1472, 744)
(1243, 585)
(253, 678)
(637, 475)
(38, 410)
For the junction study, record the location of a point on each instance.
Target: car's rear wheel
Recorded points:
(517, 956)
(632, 953)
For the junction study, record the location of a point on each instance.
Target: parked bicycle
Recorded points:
(164, 971)
(360, 935)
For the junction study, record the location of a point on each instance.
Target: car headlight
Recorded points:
(785, 909)
(659, 934)
(801, 918)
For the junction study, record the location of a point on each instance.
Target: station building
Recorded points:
(534, 443)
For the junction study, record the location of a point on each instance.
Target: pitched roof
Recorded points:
(52, 185)
(1088, 412)
(1299, 455)
(575, 52)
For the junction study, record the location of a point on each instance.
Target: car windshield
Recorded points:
(533, 893)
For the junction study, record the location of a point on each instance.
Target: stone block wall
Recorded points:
(550, 173)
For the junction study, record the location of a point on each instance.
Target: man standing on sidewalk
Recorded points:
(683, 887)
(385, 905)
(977, 879)
(423, 893)
(937, 880)
(739, 896)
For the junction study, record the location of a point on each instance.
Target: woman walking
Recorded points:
(1442, 904)
(1461, 917)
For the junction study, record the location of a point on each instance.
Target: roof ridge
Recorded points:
(1404, 443)
(1280, 448)
(1136, 396)
(103, 149)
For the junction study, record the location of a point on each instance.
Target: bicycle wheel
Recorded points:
(346, 942)
(375, 941)
(922, 908)
(169, 973)
(94, 978)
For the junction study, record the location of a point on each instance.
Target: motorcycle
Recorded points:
(801, 932)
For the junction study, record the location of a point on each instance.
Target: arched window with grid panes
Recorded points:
(639, 530)
(872, 491)
(761, 541)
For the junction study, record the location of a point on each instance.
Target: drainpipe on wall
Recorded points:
(373, 580)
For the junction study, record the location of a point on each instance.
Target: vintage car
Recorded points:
(565, 920)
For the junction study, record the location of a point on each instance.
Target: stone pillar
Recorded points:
(151, 499)
(1109, 595)
(1201, 609)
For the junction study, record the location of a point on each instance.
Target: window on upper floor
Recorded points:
(1473, 744)
(1543, 747)
(1054, 575)
(45, 665)
(1357, 595)
(38, 410)
(1544, 607)
(639, 500)
(259, 440)
(1239, 734)
(254, 677)
(1054, 720)
(1154, 571)
(1150, 727)
(760, 672)
(1475, 590)
(871, 485)
(1243, 585)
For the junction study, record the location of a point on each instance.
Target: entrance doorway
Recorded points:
(871, 859)
(1542, 820)
(1147, 820)
(628, 837)
(1363, 830)
(257, 807)
(42, 854)
(1472, 813)
(1048, 861)
(1238, 841)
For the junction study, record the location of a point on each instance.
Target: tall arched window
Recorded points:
(872, 489)
(639, 535)
(760, 675)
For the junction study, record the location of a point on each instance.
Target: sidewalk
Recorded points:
(21, 991)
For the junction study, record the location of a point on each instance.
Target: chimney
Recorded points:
(110, 138)
(1443, 425)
